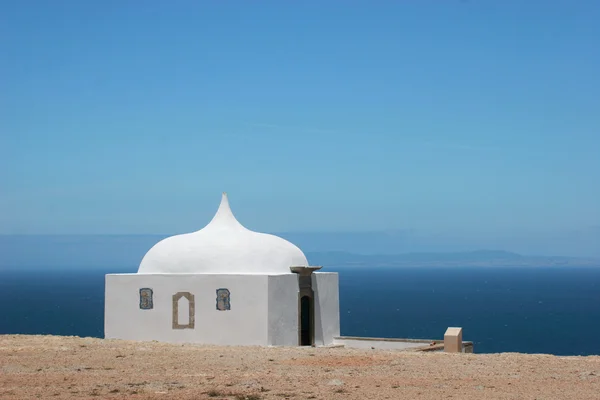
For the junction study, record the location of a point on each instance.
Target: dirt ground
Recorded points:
(53, 367)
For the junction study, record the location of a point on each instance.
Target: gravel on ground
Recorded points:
(57, 367)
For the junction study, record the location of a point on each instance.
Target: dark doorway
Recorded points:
(305, 321)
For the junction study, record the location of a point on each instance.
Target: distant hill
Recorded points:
(124, 252)
(480, 258)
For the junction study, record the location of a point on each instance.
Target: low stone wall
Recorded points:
(468, 347)
(356, 342)
(381, 343)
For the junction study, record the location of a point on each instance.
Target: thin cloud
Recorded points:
(289, 127)
(460, 146)
(455, 146)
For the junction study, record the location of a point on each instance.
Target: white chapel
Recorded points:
(224, 285)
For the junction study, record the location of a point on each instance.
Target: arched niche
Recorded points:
(184, 296)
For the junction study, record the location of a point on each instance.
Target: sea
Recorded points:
(550, 310)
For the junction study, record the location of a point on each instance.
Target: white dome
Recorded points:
(223, 246)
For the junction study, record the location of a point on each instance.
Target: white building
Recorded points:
(225, 285)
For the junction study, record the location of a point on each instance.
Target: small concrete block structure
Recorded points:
(453, 340)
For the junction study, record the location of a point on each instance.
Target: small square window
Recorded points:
(146, 302)
(223, 300)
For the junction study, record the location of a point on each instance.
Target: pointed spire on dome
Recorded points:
(224, 246)
(224, 218)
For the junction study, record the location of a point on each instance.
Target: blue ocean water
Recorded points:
(527, 310)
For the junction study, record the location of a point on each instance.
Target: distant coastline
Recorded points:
(73, 251)
(481, 258)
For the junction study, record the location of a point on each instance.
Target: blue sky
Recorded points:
(476, 120)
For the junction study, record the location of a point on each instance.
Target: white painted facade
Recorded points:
(253, 269)
(327, 307)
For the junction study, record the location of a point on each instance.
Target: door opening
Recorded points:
(306, 338)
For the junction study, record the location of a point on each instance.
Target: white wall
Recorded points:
(245, 324)
(264, 308)
(327, 307)
(283, 310)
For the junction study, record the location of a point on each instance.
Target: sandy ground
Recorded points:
(52, 367)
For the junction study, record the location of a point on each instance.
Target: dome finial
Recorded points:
(224, 217)
(223, 246)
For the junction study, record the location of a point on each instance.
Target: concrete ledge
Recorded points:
(395, 344)
(435, 347)
(467, 347)
(382, 339)
(380, 343)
